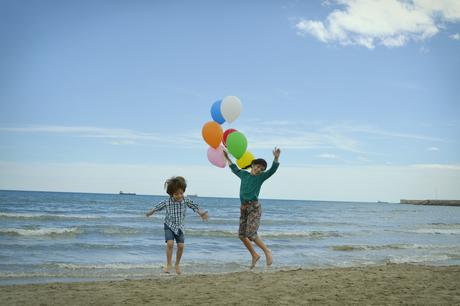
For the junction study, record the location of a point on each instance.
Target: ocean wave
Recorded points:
(111, 266)
(119, 230)
(306, 234)
(50, 217)
(41, 216)
(347, 247)
(267, 235)
(40, 231)
(395, 246)
(433, 228)
(418, 258)
(447, 231)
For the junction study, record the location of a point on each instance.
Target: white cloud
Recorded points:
(392, 23)
(260, 135)
(433, 149)
(452, 167)
(116, 135)
(455, 36)
(328, 156)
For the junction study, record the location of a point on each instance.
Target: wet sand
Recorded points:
(376, 285)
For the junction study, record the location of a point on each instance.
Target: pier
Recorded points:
(431, 202)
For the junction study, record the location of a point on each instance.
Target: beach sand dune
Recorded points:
(378, 285)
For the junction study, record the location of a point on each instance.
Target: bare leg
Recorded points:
(180, 250)
(267, 251)
(169, 252)
(255, 257)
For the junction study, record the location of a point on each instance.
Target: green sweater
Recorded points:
(250, 184)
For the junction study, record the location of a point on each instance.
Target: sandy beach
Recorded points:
(379, 285)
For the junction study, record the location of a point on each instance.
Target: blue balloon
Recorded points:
(216, 113)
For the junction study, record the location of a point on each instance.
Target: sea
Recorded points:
(67, 237)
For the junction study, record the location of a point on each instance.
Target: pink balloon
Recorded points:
(216, 156)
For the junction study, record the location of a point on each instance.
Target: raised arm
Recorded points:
(238, 172)
(275, 165)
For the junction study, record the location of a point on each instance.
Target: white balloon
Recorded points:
(230, 108)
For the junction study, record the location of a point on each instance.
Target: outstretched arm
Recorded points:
(203, 214)
(229, 161)
(232, 166)
(275, 165)
(158, 207)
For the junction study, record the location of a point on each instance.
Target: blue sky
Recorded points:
(361, 96)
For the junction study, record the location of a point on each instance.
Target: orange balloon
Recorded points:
(212, 133)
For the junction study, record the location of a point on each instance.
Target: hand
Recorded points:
(276, 153)
(204, 216)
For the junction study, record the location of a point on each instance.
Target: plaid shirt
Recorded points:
(175, 212)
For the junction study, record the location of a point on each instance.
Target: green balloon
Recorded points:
(237, 144)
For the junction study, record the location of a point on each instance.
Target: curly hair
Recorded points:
(174, 184)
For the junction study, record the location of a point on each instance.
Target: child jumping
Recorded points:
(175, 206)
(251, 210)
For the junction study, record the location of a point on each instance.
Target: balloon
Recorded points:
(230, 108)
(237, 144)
(245, 160)
(226, 133)
(212, 133)
(216, 113)
(216, 156)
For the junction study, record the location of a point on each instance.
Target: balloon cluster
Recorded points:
(226, 110)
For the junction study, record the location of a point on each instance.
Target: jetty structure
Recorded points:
(431, 202)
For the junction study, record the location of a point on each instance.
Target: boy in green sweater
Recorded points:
(251, 210)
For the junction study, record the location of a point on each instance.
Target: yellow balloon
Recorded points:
(245, 160)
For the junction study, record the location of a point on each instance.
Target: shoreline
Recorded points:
(381, 284)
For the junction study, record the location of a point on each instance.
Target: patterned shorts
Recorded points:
(250, 213)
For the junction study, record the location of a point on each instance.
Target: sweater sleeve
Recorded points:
(238, 172)
(271, 171)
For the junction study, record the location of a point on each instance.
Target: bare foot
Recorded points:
(269, 257)
(255, 259)
(178, 272)
(167, 269)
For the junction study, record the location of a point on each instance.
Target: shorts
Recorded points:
(250, 213)
(170, 235)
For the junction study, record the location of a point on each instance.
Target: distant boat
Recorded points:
(193, 195)
(382, 202)
(127, 193)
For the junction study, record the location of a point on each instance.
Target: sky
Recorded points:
(362, 96)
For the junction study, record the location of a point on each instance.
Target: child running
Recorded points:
(251, 210)
(175, 207)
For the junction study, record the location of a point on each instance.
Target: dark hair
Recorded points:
(174, 184)
(259, 161)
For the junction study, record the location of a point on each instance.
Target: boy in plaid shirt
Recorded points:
(175, 207)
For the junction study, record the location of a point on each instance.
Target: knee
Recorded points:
(170, 244)
(180, 246)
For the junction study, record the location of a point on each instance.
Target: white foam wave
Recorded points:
(268, 235)
(306, 234)
(40, 232)
(418, 258)
(113, 266)
(47, 216)
(446, 231)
